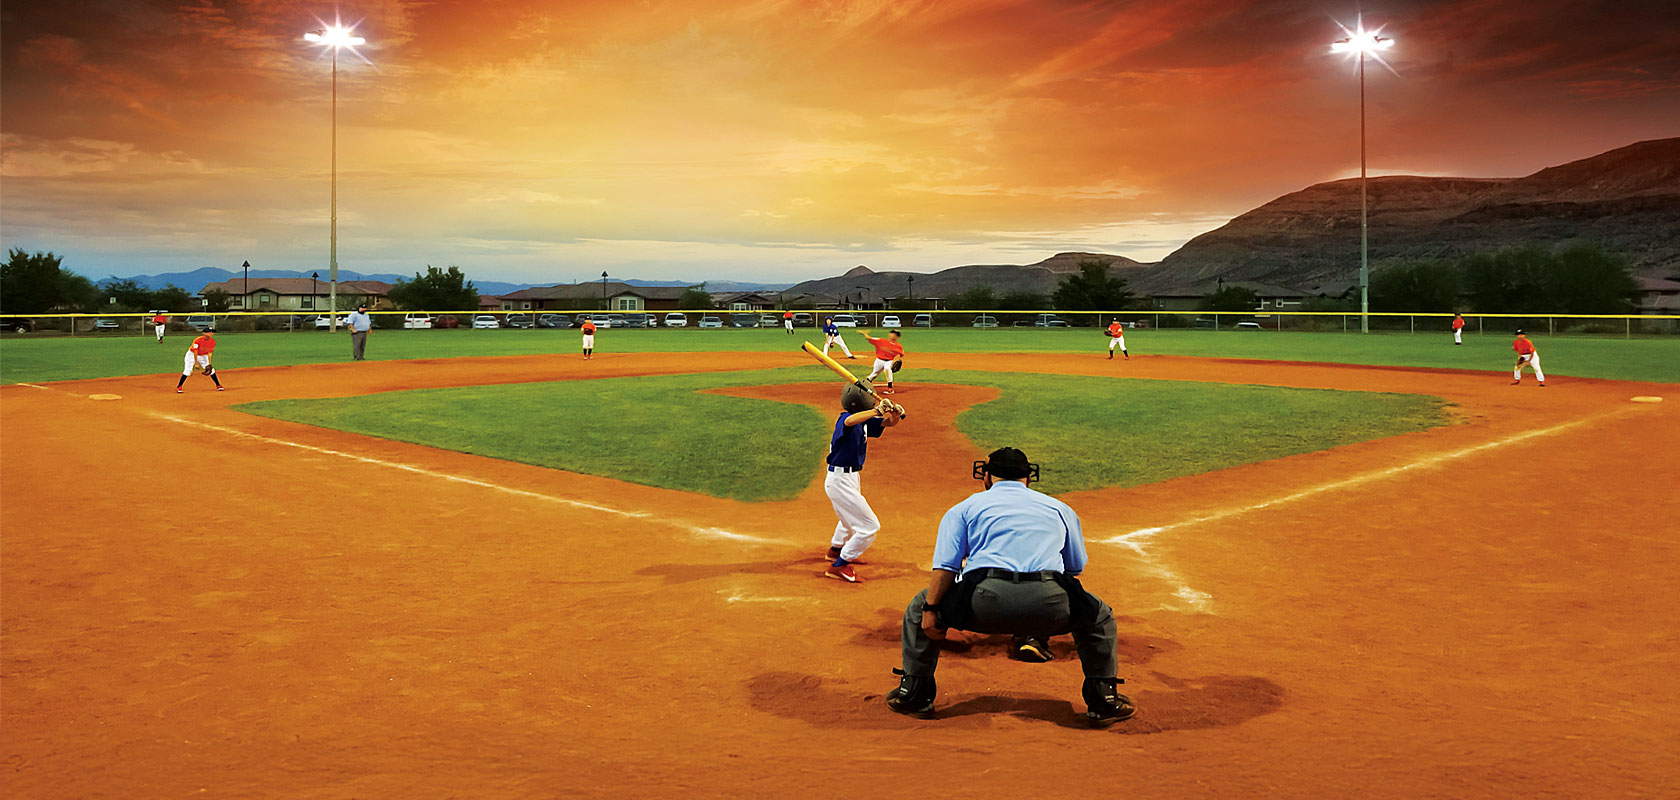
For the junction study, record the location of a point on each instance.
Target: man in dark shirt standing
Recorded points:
(1019, 553)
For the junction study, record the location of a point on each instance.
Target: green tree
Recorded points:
(434, 290)
(1092, 288)
(215, 301)
(31, 283)
(1506, 281)
(695, 298)
(1230, 298)
(172, 298)
(979, 297)
(1023, 301)
(1416, 286)
(131, 296)
(1583, 278)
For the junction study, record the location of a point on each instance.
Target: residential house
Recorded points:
(745, 301)
(297, 294)
(1271, 298)
(593, 296)
(1656, 296)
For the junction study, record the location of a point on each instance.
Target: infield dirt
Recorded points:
(197, 601)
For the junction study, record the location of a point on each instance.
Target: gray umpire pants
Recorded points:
(358, 344)
(1028, 608)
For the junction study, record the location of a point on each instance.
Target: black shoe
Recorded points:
(1104, 704)
(1032, 650)
(914, 695)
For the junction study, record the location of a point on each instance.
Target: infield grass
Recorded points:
(666, 431)
(47, 357)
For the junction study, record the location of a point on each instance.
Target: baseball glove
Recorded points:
(898, 366)
(1521, 360)
(207, 370)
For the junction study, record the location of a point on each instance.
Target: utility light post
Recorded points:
(603, 290)
(334, 37)
(313, 277)
(246, 303)
(1362, 43)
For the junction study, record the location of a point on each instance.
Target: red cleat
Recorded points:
(844, 573)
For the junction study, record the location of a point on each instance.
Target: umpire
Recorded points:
(1018, 553)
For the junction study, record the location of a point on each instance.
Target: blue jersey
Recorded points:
(831, 329)
(849, 445)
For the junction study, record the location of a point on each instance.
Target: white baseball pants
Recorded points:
(836, 340)
(1117, 341)
(881, 367)
(193, 359)
(1458, 336)
(858, 524)
(588, 341)
(159, 331)
(1533, 361)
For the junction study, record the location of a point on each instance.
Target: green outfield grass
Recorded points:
(36, 358)
(664, 431)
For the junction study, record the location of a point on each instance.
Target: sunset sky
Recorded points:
(772, 140)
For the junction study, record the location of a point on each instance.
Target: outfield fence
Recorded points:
(1388, 322)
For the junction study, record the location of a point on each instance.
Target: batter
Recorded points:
(860, 420)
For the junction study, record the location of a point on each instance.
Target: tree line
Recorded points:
(1573, 278)
(38, 283)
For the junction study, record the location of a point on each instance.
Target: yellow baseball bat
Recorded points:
(847, 374)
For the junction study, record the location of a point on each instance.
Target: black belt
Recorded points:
(1017, 577)
(832, 468)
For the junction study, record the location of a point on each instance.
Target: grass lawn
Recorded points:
(37, 357)
(1088, 432)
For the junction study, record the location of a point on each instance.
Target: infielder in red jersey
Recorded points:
(1527, 356)
(887, 351)
(1458, 328)
(1117, 338)
(198, 355)
(588, 339)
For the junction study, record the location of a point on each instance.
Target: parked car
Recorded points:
(519, 321)
(417, 322)
(600, 320)
(447, 321)
(1049, 321)
(845, 321)
(323, 321)
(923, 321)
(553, 321)
(200, 321)
(803, 320)
(17, 324)
(743, 320)
(985, 321)
(710, 321)
(890, 321)
(675, 320)
(637, 321)
(302, 321)
(485, 322)
(1248, 326)
(103, 324)
(769, 320)
(615, 321)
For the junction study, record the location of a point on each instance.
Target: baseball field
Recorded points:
(480, 566)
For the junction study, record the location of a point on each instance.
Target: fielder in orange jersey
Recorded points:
(160, 322)
(1458, 328)
(198, 355)
(1117, 338)
(588, 339)
(887, 351)
(1527, 356)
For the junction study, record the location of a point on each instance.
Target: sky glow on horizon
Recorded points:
(770, 140)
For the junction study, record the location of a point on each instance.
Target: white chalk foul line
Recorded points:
(698, 530)
(1134, 538)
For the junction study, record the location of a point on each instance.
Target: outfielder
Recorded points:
(860, 420)
(1458, 328)
(588, 339)
(160, 322)
(787, 321)
(1527, 356)
(832, 333)
(198, 355)
(887, 351)
(1117, 338)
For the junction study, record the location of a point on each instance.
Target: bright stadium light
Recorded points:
(1360, 44)
(335, 37)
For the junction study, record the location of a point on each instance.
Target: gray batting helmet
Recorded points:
(856, 397)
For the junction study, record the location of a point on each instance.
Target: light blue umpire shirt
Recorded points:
(359, 321)
(1012, 527)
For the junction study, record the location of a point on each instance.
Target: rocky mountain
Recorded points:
(1627, 199)
(1040, 278)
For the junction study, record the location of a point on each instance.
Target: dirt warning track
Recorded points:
(196, 601)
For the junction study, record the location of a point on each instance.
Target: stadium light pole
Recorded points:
(313, 277)
(246, 303)
(603, 290)
(1362, 43)
(334, 37)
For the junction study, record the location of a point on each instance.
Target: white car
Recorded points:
(325, 321)
(417, 322)
(676, 321)
(710, 322)
(485, 322)
(1248, 326)
(890, 321)
(844, 321)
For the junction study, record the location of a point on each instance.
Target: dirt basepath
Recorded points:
(200, 602)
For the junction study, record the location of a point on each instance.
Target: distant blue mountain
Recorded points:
(199, 278)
